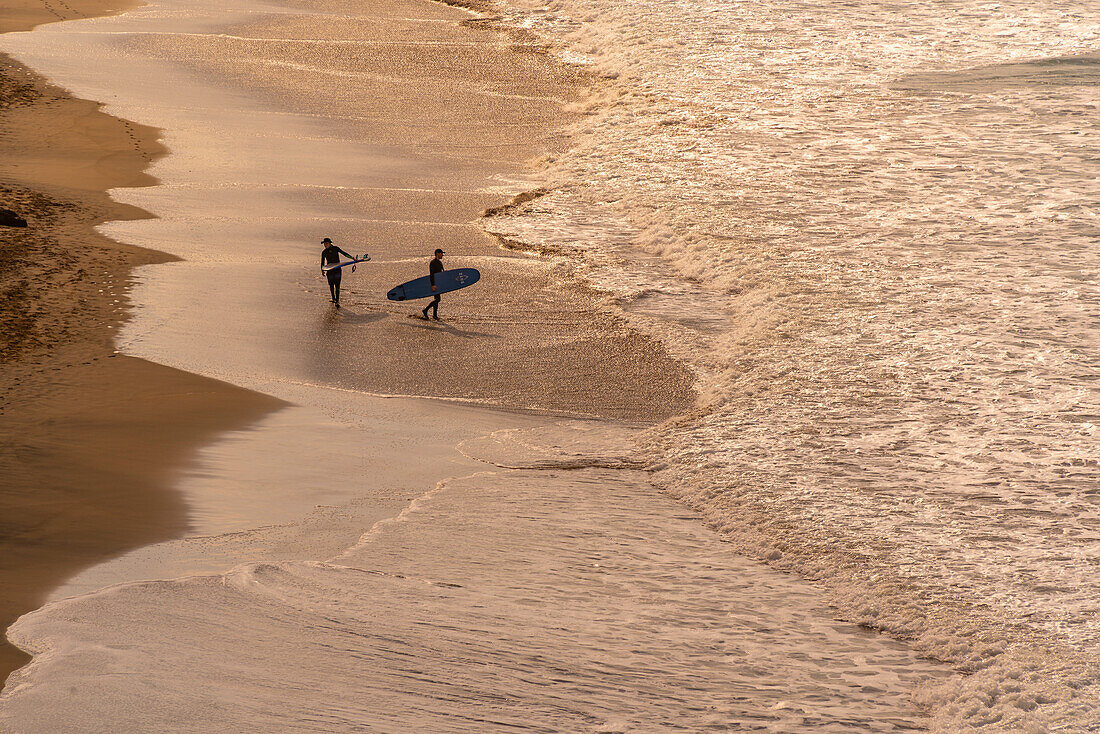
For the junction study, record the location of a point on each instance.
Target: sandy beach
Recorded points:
(92, 439)
(95, 438)
(101, 439)
(229, 505)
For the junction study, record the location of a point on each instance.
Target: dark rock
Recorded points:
(8, 218)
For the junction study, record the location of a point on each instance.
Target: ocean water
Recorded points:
(551, 591)
(872, 230)
(869, 230)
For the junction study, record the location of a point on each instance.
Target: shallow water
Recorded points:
(569, 597)
(898, 388)
(481, 608)
(872, 230)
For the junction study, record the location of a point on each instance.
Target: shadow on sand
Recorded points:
(344, 315)
(448, 327)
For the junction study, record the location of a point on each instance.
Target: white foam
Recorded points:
(868, 230)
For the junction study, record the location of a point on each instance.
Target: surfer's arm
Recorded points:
(349, 257)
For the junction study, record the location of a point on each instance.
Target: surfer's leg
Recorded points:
(432, 306)
(334, 286)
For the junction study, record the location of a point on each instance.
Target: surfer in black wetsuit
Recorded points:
(435, 266)
(330, 255)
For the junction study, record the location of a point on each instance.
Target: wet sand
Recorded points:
(98, 437)
(565, 594)
(91, 440)
(390, 132)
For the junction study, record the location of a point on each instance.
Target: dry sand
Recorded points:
(89, 439)
(21, 15)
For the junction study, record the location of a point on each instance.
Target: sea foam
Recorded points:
(869, 230)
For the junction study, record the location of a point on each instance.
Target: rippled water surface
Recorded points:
(560, 595)
(872, 230)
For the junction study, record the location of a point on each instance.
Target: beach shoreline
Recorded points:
(103, 434)
(92, 440)
(444, 495)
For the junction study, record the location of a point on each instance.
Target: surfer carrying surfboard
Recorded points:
(435, 266)
(437, 282)
(330, 255)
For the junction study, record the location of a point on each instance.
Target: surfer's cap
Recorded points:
(439, 252)
(326, 240)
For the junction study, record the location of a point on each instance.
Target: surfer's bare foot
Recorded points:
(424, 316)
(434, 317)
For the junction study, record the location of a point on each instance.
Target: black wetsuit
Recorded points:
(435, 266)
(331, 256)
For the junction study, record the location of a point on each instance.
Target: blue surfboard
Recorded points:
(445, 282)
